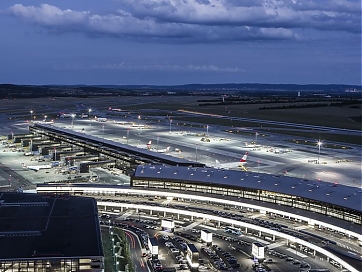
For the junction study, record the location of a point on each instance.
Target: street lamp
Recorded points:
(319, 149)
(127, 134)
(31, 115)
(197, 145)
(207, 130)
(138, 120)
(170, 124)
(89, 112)
(72, 115)
(158, 138)
(45, 118)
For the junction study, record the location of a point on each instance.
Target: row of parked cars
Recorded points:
(174, 244)
(221, 260)
(287, 258)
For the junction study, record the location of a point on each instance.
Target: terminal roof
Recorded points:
(43, 226)
(119, 147)
(337, 194)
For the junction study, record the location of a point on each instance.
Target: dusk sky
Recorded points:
(168, 42)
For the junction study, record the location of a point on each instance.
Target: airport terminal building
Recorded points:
(317, 204)
(332, 200)
(40, 232)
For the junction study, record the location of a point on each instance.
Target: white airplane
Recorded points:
(251, 145)
(162, 150)
(138, 126)
(101, 119)
(36, 168)
(230, 165)
(148, 145)
(123, 122)
(278, 150)
(31, 153)
(44, 122)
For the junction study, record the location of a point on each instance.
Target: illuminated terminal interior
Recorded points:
(337, 201)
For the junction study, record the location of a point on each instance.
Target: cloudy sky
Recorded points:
(180, 41)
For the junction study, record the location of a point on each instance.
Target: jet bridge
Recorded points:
(84, 167)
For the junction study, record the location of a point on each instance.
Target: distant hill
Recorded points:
(27, 91)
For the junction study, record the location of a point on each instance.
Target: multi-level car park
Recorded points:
(320, 220)
(264, 223)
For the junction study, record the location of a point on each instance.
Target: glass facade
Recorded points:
(249, 193)
(53, 265)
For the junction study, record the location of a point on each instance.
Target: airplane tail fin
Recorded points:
(168, 148)
(243, 159)
(149, 143)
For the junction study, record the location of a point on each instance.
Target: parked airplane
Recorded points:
(44, 122)
(251, 145)
(243, 159)
(123, 122)
(100, 119)
(36, 168)
(112, 109)
(138, 126)
(162, 150)
(278, 150)
(31, 153)
(230, 165)
(148, 145)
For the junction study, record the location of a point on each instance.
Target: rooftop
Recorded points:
(337, 194)
(38, 226)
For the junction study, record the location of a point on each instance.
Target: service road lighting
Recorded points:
(73, 115)
(197, 145)
(158, 138)
(319, 149)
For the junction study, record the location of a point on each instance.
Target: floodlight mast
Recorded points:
(319, 149)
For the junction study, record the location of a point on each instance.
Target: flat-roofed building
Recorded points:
(40, 232)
